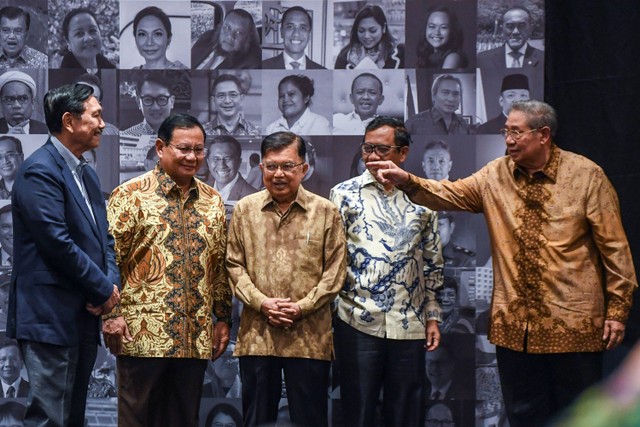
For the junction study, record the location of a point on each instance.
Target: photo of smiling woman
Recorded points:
(441, 44)
(371, 44)
(84, 41)
(294, 99)
(157, 34)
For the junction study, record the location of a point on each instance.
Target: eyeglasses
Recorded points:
(185, 151)
(516, 134)
(8, 156)
(22, 99)
(221, 96)
(380, 149)
(235, 33)
(520, 26)
(286, 167)
(444, 423)
(226, 159)
(161, 100)
(19, 32)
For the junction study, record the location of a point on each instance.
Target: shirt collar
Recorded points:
(550, 169)
(288, 60)
(436, 115)
(69, 158)
(302, 199)
(167, 184)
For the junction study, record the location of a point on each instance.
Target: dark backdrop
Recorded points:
(592, 78)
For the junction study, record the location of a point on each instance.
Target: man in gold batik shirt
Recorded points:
(286, 262)
(170, 238)
(563, 272)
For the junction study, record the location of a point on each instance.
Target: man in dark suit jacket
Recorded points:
(64, 270)
(516, 52)
(224, 157)
(12, 384)
(295, 28)
(17, 94)
(515, 87)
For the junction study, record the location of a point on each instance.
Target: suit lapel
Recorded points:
(72, 185)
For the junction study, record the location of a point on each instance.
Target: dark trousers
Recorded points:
(59, 378)
(307, 383)
(369, 363)
(537, 387)
(156, 391)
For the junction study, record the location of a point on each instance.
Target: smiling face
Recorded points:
(10, 364)
(181, 168)
(291, 102)
(446, 297)
(282, 186)
(155, 113)
(447, 97)
(223, 162)
(13, 33)
(295, 32)
(86, 129)
(84, 37)
(21, 105)
(369, 32)
(437, 32)
(366, 96)
(227, 98)
(6, 233)
(10, 159)
(152, 39)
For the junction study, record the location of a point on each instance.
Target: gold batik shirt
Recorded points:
(301, 255)
(561, 259)
(170, 250)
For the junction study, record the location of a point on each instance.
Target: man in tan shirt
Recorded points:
(563, 272)
(286, 261)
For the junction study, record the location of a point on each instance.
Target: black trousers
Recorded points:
(156, 391)
(369, 364)
(537, 387)
(306, 381)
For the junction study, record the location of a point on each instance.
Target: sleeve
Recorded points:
(461, 195)
(603, 214)
(334, 265)
(433, 267)
(236, 262)
(122, 223)
(220, 280)
(41, 198)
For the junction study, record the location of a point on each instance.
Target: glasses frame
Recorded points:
(290, 167)
(375, 147)
(185, 151)
(516, 134)
(155, 99)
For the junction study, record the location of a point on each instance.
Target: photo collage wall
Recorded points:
(462, 61)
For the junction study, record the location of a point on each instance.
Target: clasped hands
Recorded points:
(107, 306)
(281, 312)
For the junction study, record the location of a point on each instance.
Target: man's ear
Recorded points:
(67, 121)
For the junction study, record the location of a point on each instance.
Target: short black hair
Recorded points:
(3, 210)
(90, 78)
(14, 12)
(179, 120)
(437, 143)
(302, 82)
(9, 342)
(71, 14)
(158, 13)
(225, 139)
(157, 77)
(15, 141)
(224, 408)
(400, 134)
(279, 140)
(373, 76)
(69, 98)
(296, 9)
(225, 78)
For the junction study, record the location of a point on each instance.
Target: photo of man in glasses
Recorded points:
(155, 101)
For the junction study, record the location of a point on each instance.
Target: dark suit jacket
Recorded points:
(240, 189)
(34, 126)
(492, 126)
(494, 58)
(62, 258)
(205, 43)
(23, 389)
(277, 63)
